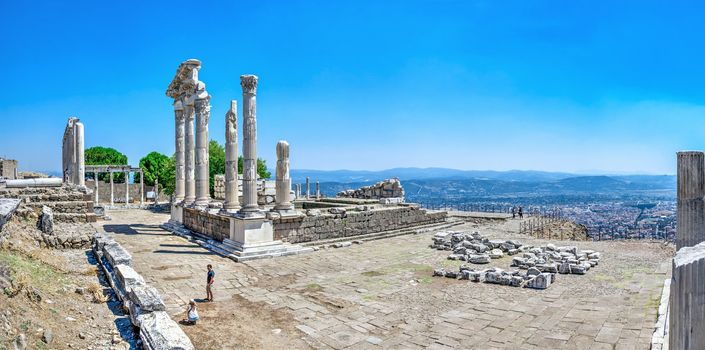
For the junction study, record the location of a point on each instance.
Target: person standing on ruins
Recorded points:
(209, 281)
(521, 213)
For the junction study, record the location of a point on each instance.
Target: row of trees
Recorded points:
(159, 167)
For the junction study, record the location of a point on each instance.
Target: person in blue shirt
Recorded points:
(209, 281)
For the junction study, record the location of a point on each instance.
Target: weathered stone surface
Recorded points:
(540, 281)
(478, 258)
(116, 254)
(128, 277)
(46, 221)
(687, 304)
(147, 298)
(390, 188)
(159, 332)
(8, 206)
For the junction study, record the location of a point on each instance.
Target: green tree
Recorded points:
(106, 156)
(216, 162)
(157, 166)
(216, 166)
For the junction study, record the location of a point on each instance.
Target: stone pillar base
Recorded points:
(177, 213)
(253, 238)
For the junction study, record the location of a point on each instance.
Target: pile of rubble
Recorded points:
(473, 247)
(541, 263)
(390, 188)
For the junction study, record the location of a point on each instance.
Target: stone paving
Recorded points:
(381, 294)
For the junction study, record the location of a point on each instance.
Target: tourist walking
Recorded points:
(521, 213)
(209, 282)
(514, 212)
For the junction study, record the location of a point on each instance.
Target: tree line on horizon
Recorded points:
(160, 167)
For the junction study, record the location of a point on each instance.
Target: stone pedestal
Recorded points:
(177, 213)
(283, 184)
(253, 238)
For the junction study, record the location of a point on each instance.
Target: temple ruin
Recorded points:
(242, 222)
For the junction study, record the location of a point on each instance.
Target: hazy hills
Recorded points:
(431, 182)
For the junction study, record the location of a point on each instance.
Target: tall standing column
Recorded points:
(202, 107)
(318, 190)
(691, 190)
(179, 189)
(308, 188)
(95, 178)
(283, 185)
(80, 156)
(249, 144)
(127, 188)
(189, 168)
(232, 202)
(112, 190)
(141, 188)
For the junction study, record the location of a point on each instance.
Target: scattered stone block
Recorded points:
(116, 254)
(159, 332)
(46, 221)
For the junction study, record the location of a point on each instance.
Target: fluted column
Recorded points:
(232, 202)
(180, 188)
(127, 188)
(189, 160)
(691, 190)
(318, 190)
(112, 190)
(202, 108)
(249, 144)
(283, 185)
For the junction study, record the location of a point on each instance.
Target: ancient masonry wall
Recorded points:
(352, 223)
(8, 169)
(145, 306)
(69, 204)
(212, 225)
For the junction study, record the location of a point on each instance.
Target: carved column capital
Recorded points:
(249, 84)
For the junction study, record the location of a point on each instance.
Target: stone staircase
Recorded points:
(233, 250)
(69, 204)
(450, 222)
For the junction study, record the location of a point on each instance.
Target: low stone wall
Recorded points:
(143, 302)
(69, 203)
(215, 226)
(349, 223)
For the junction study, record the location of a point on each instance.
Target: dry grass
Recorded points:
(96, 290)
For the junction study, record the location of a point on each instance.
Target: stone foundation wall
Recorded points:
(69, 203)
(352, 223)
(212, 225)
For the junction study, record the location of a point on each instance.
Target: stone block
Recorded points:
(128, 277)
(116, 254)
(46, 221)
(147, 298)
(159, 332)
(541, 281)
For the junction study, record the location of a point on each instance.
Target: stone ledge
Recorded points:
(143, 303)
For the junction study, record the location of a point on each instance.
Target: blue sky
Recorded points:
(580, 86)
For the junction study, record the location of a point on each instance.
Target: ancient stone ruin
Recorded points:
(253, 218)
(541, 263)
(390, 189)
(73, 157)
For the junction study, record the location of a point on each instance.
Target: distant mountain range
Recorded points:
(431, 182)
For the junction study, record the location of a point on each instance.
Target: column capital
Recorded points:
(249, 84)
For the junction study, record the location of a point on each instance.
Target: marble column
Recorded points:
(232, 202)
(202, 108)
(179, 189)
(691, 207)
(95, 178)
(283, 184)
(249, 144)
(298, 191)
(141, 188)
(80, 155)
(127, 188)
(308, 188)
(189, 166)
(318, 190)
(112, 190)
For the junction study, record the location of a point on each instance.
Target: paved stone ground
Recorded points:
(380, 294)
